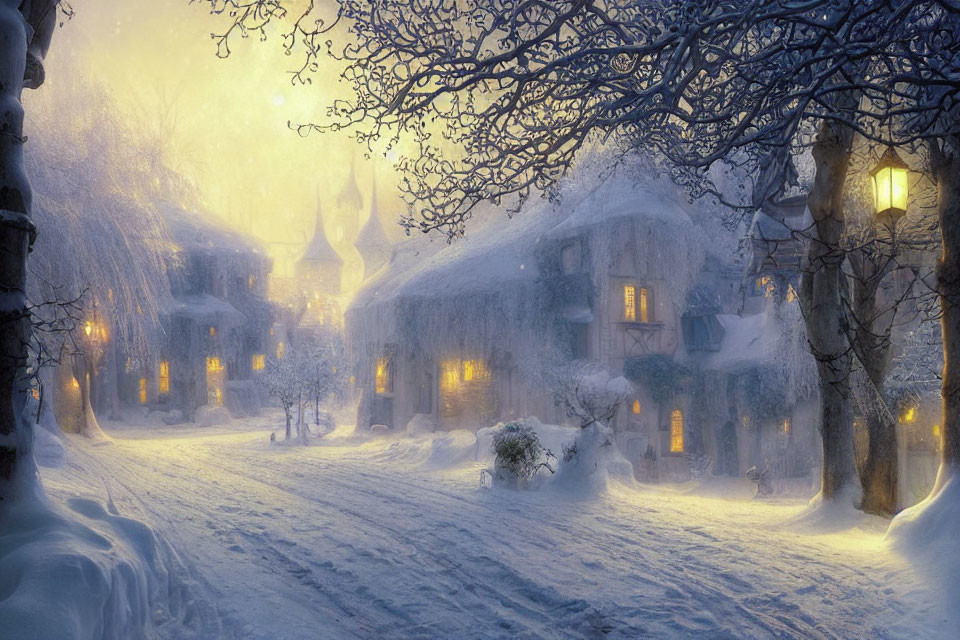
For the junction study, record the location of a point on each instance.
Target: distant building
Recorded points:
(372, 242)
(345, 220)
(319, 270)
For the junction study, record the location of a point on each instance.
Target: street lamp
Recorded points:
(890, 188)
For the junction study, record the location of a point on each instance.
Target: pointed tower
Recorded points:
(346, 217)
(372, 241)
(318, 270)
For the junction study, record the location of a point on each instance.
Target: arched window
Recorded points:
(676, 431)
(636, 408)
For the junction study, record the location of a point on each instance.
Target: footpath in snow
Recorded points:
(395, 538)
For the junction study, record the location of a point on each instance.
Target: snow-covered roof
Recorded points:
(485, 259)
(747, 341)
(191, 230)
(623, 197)
(320, 249)
(500, 250)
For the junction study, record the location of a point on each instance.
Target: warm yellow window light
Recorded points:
(88, 328)
(765, 286)
(382, 377)
(163, 378)
(280, 351)
(259, 361)
(250, 282)
(450, 375)
(746, 421)
(143, 391)
(468, 370)
(636, 407)
(644, 310)
(213, 364)
(890, 187)
(676, 431)
(213, 331)
(629, 303)
(785, 426)
(909, 415)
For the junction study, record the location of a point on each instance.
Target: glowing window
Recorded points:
(909, 415)
(382, 375)
(36, 393)
(791, 293)
(213, 331)
(746, 421)
(629, 303)
(88, 328)
(765, 286)
(468, 370)
(143, 391)
(215, 377)
(636, 407)
(785, 427)
(163, 379)
(644, 311)
(110, 295)
(250, 282)
(676, 431)
(259, 361)
(449, 376)
(280, 351)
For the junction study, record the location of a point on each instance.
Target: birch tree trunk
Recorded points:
(16, 235)
(821, 296)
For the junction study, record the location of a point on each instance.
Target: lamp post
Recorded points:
(890, 189)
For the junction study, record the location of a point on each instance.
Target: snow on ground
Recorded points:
(395, 538)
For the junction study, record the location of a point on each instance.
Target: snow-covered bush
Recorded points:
(519, 454)
(588, 392)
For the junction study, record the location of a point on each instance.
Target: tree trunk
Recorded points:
(946, 165)
(821, 296)
(872, 344)
(16, 234)
(879, 476)
(286, 413)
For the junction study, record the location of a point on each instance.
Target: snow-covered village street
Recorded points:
(479, 320)
(395, 539)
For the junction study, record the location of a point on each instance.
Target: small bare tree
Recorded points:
(588, 392)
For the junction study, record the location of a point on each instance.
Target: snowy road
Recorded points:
(365, 542)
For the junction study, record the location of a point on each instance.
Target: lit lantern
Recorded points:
(890, 188)
(88, 328)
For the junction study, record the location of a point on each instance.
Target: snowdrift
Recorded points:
(433, 451)
(927, 534)
(84, 572)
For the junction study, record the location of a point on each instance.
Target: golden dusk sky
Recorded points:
(223, 121)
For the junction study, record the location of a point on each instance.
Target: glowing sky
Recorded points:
(224, 121)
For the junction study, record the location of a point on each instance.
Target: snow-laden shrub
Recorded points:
(519, 454)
